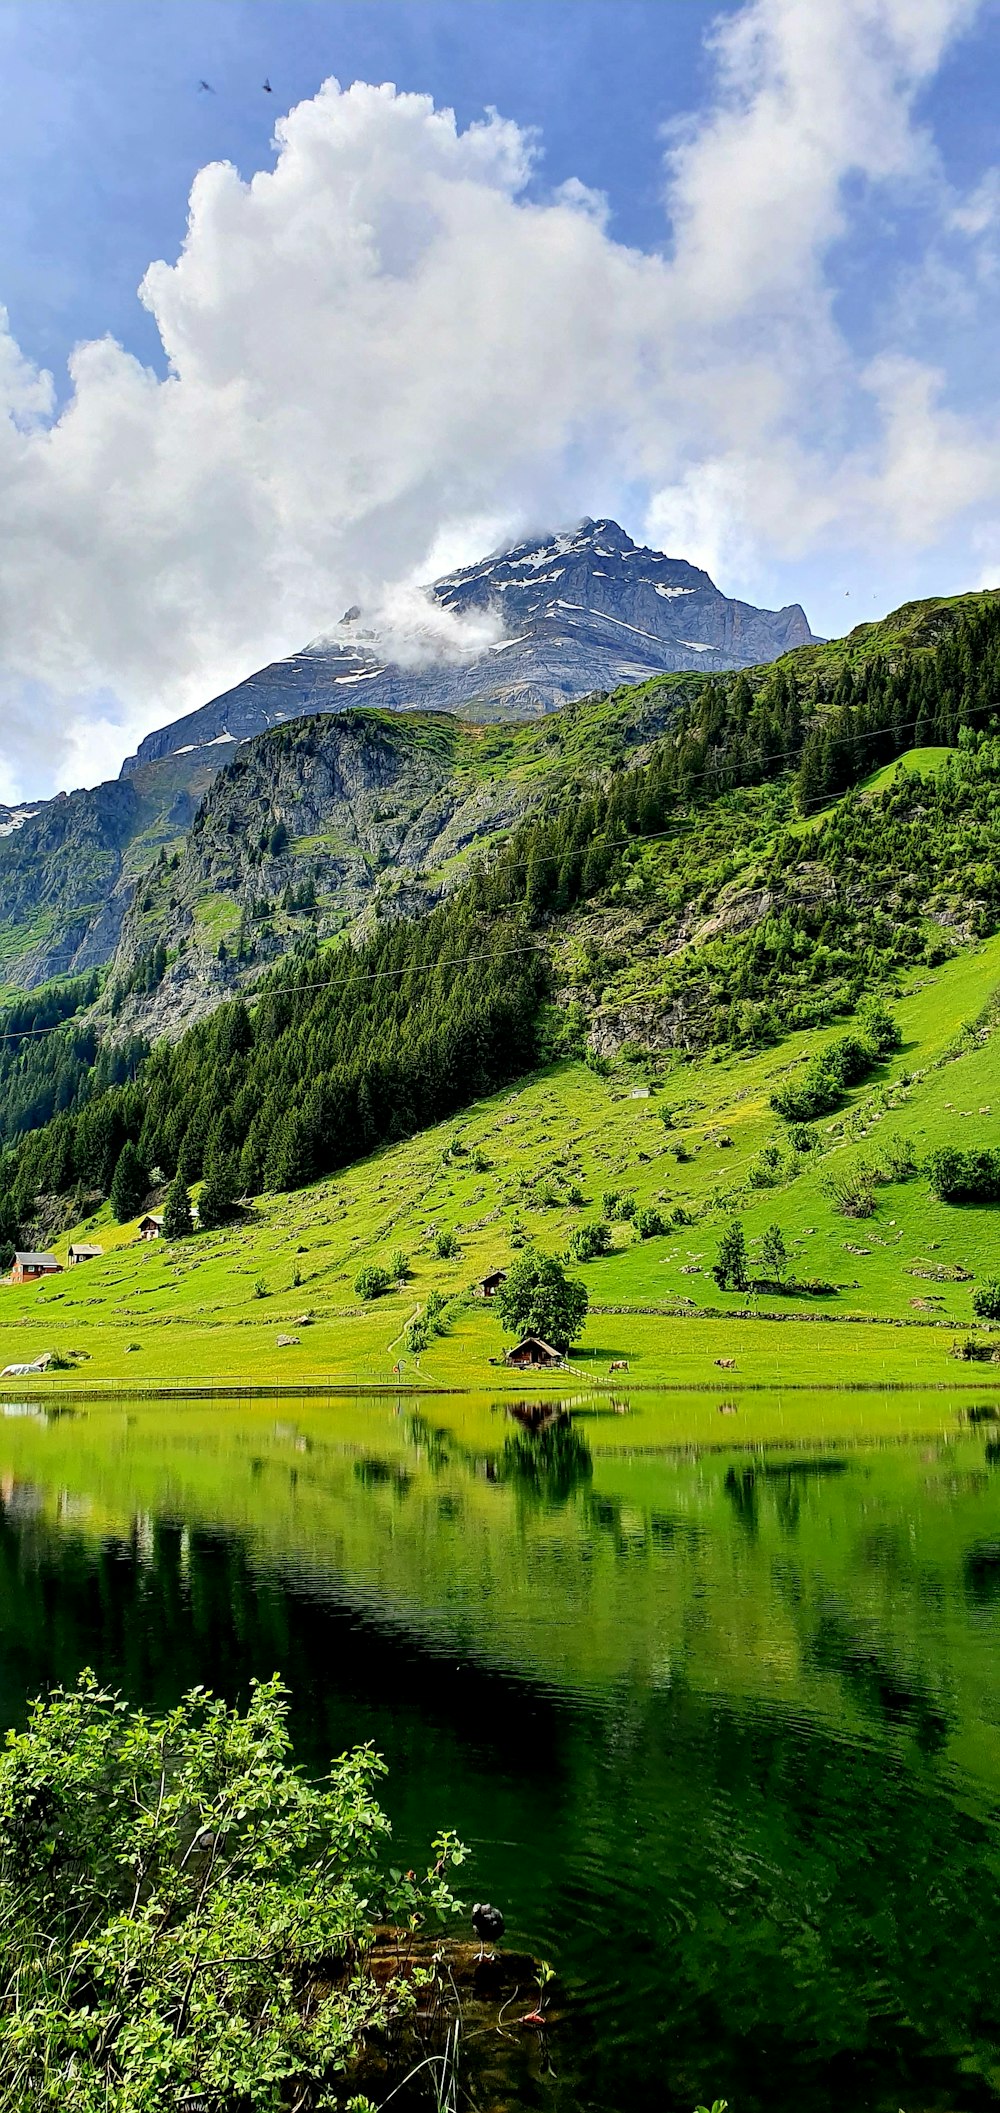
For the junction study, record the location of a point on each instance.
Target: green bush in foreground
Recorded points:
(186, 1922)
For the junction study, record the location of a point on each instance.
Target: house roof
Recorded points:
(29, 1260)
(81, 1247)
(534, 1342)
(151, 1218)
(492, 1276)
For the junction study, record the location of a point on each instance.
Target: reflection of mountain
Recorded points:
(693, 1766)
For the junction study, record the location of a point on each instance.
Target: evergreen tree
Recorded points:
(129, 1185)
(218, 1192)
(177, 1219)
(730, 1266)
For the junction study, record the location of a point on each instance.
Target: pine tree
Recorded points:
(730, 1266)
(177, 1219)
(218, 1193)
(129, 1184)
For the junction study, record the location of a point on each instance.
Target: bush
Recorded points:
(586, 1242)
(399, 1266)
(417, 1337)
(445, 1246)
(986, 1299)
(650, 1224)
(964, 1177)
(172, 1895)
(823, 1083)
(371, 1281)
(852, 1193)
(802, 1138)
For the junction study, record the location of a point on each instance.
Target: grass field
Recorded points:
(210, 1309)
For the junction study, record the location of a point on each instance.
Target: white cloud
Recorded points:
(384, 354)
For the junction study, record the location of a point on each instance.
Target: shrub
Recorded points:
(986, 1299)
(588, 1241)
(260, 1290)
(445, 1246)
(575, 1195)
(417, 1337)
(172, 1894)
(802, 1138)
(371, 1281)
(964, 1177)
(852, 1193)
(399, 1266)
(649, 1224)
(823, 1083)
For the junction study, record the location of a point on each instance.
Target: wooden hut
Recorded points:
(531, 1351)
(27, 1267)
(81, 1251)
(150, 1227)
(488, 1286)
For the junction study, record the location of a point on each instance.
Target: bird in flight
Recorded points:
(205, 87)
(268, 90)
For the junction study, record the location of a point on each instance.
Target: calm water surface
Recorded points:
(722, 1728)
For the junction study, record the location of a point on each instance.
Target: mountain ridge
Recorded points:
(630, 616)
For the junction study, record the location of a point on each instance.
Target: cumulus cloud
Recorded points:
(389, 343)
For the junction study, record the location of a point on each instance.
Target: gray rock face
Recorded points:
(579, 612)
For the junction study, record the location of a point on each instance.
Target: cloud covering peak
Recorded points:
(392, 345)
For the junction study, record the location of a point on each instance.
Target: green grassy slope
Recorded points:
(210, 1309)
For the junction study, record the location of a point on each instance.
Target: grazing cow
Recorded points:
(618, 1364)
(727, 1364)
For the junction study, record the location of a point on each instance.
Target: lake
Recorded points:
(721, 1725)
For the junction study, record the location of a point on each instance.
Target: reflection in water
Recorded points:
(722, 1730)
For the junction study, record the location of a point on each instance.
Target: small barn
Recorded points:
(533, 1352)
(488, 1287)
(82, 1252)
(150, 1227)
(27, 1267)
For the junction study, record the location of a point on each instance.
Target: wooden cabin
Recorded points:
(150, 1227)
(488, 1287)
(532, 1351)
(28, 1267)
(81, 1252)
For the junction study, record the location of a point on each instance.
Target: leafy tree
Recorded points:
(986, 1299)
(538, 1298)
(177, 1219)
(172, 1895)
(730, 1266)
(129, 1185)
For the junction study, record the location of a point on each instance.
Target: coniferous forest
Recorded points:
(345, 1048)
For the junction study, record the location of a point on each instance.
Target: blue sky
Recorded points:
(728, 272)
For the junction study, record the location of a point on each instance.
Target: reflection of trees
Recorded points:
(546, 1458)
